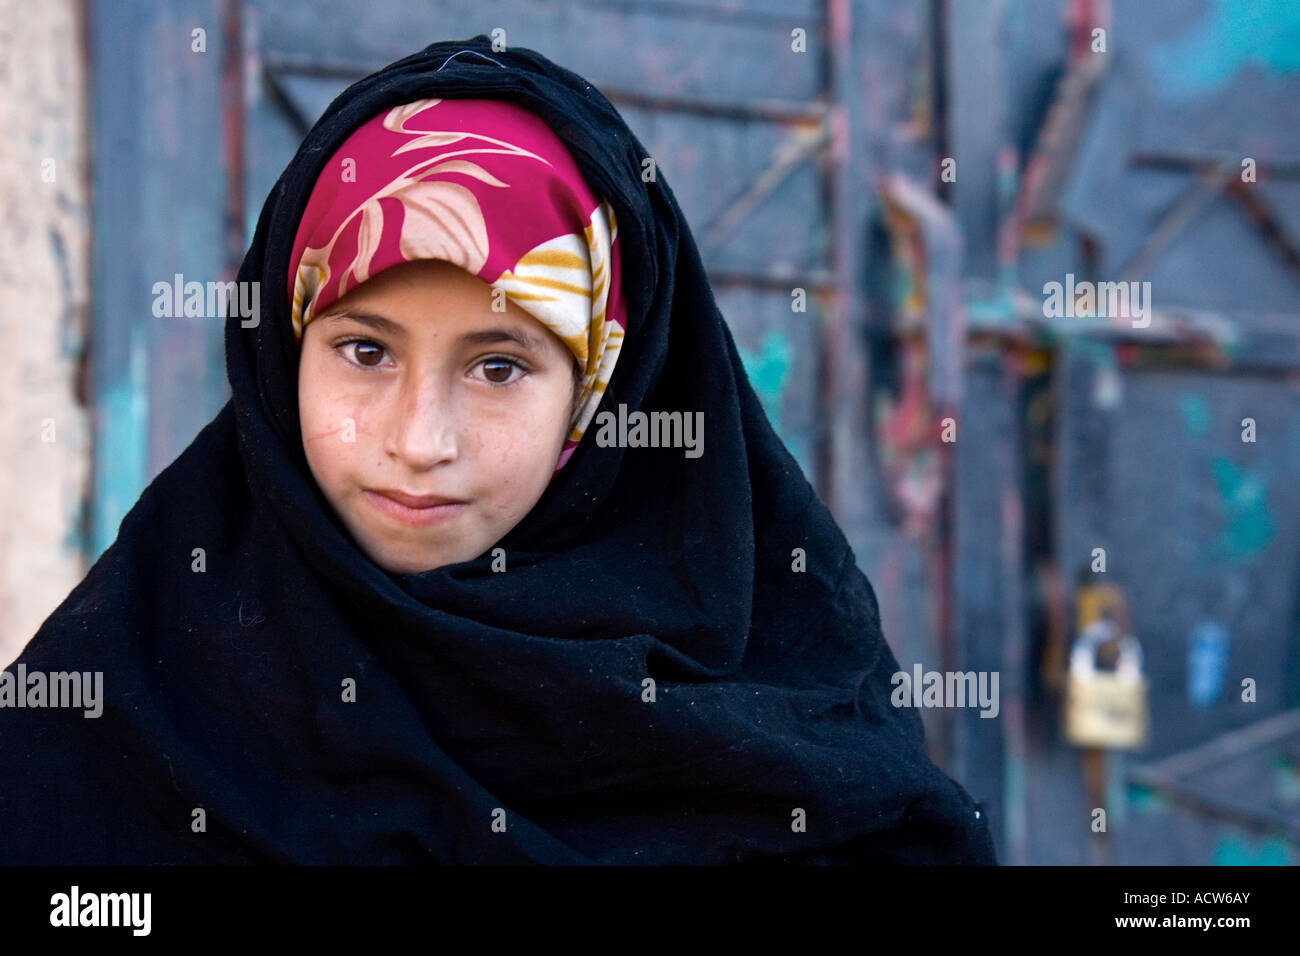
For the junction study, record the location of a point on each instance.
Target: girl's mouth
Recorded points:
(425, 515)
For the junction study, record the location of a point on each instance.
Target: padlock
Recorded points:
(1106, 709)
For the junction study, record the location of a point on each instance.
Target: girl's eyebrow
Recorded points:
(521, 337)
(376, 322)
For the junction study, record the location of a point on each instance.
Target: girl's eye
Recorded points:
(365, 352)
(498, 370)
(370, 354)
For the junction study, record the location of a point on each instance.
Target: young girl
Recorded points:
(419, 593)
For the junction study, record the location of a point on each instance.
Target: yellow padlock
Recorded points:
(1103, 708)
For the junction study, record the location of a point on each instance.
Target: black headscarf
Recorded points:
(498, 717)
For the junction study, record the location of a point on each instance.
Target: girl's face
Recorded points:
(411, 387)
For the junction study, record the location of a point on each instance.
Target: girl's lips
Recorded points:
(416, 516)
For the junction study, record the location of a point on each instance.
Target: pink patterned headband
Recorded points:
(487, 186)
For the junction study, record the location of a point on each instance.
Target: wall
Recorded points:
(44, 426)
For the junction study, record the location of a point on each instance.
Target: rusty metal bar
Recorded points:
(771, 110)
(789, 153)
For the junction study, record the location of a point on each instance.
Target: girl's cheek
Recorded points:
(334, 439)
(328, 409)
(320, 420)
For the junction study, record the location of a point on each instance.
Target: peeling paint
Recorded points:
(1235, 34)
(1243, 497)
(1234, 851)
(769, 371)
(1145, 799)
(1196, 415)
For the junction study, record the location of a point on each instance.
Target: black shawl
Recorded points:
(498, 717)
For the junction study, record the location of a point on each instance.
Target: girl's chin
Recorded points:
(397, 558)
(405, 564)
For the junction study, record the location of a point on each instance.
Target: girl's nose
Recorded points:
(423, 430)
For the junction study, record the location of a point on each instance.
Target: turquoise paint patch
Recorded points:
(1286, 779)
(120, 449)
(1231, 851)
(998, 308)
(1144, 799)
(1235, 33)
(1243, 496)
(768, 371)
(1196, 415)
